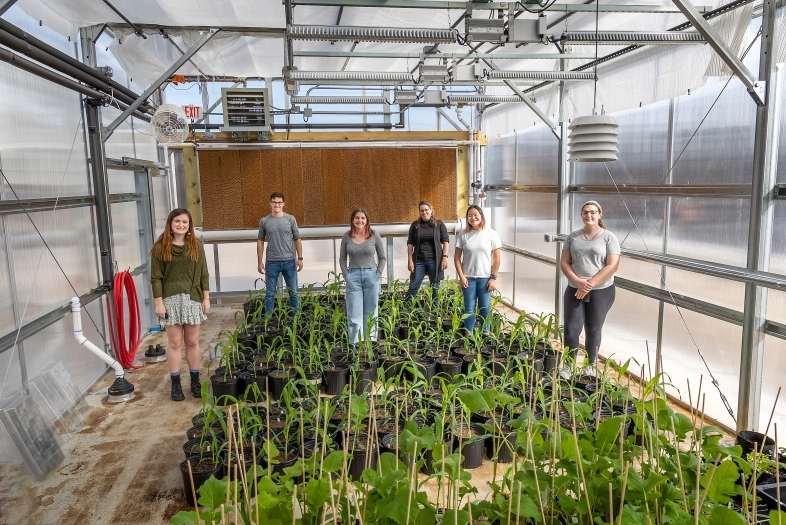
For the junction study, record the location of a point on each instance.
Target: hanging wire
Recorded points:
(636, 227)
(41, 255)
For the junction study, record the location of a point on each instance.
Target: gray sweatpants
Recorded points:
(588, 313)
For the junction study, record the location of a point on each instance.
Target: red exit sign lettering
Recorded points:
(193, 112)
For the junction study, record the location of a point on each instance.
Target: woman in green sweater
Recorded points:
(178, 275)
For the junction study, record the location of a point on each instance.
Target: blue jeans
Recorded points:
(423, 268)
(477, 293)
(362, 303)
(272, 270)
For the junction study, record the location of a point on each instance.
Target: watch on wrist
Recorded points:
(299, 258)
(493, 276)
(444, 256)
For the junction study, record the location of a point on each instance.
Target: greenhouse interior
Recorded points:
(392, 262)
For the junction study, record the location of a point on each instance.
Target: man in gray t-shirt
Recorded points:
(284, 252)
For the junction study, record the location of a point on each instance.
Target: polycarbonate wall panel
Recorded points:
(643, 149)
(721, 152)
(648, 213)
(42, 149)
(161, 207)
(631, 325)
(125, 228)
(505, 276)
(500, 168)
(536, 215)
(536, 156)
(781, 177)
(772, 379)
(534, 286)
(502, 215)
(776, 306)
(40, 284)
(710, 229)
(778, 252)
(400, 271)
(719, 342)
(723, 292)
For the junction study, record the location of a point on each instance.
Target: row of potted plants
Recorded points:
(399, 440)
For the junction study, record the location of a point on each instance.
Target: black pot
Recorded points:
(364, 376)
(335, 380)
(769, 495)
(192, 447)
(277, 380)
(279, 467)
(748, 440)
(389, 426)
(449, 366)
(550, 361)
(392, 366)
(206, 468)
(472, 447)
(467, 363)
(428, 456)
(427, 367)
(248, 378)
(357, 464)
(389, 445)
(506, 441)
(225, 392)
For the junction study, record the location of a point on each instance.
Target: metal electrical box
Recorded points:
(529, 31)
(405, 97)
(484, 30)
(469, 73)
(246, 109)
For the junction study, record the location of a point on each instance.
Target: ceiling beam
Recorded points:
(271, 32)
(459, 5)
(449, 56)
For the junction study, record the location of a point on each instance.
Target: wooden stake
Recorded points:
(193, 491)
(772, 413)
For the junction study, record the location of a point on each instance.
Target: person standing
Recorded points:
(590, 258)
(284, 252)
(477, 263)
(180, 282)
(427, 251)
(362, 274)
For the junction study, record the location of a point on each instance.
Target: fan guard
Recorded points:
(169, 124)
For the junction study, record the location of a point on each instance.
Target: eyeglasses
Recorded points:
(589, 212)
(277, 203)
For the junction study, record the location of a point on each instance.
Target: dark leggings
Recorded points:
(589, 315)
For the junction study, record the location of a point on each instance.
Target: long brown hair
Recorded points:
(367, 231)
(600, 211)
(433, 220)
(482, 218)
(164, 241)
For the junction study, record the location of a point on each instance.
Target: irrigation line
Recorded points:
(41, 255)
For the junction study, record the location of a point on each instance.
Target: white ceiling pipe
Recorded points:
(310, 232)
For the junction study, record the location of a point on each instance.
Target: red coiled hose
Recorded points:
(124, 353)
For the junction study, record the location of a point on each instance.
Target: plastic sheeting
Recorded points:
(534, 286)
(631, 328)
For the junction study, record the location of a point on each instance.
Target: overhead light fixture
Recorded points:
(405, 97)
(540, 75)
(434, 98)
(484, 30)
(468, 73)
(339, 100)
(370, 76)
(593, 139)
(634, 37)
(434, 73)
(483, 99)
(371, 34)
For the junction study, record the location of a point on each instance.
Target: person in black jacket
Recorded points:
(427, 251)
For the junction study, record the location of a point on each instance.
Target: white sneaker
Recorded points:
(590, 371)
(566, 372)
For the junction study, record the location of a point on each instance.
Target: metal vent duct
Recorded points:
(635, 37)
(371, 76)
(372, 34)
(540, 75)
(487, 99)
(593, 139)
(339, 100)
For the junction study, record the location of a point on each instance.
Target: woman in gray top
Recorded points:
(362, 274)
(590, 257)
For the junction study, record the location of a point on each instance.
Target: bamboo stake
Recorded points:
(777, 468)
(579, 458)
(745, 497)
(193, 491)
(332, 499)
(234, 509)
(518, 504)
(303, 442)
(754, 498)
(611, 504)
(256, 507)
(622, 495)
(679, 467)
(537, 483)
(709, 481)
(295, 502)
(772, 413)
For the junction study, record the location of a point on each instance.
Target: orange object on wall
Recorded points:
(322, 187)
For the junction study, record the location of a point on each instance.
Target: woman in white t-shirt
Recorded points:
(477, 262)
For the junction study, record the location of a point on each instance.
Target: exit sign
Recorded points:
(193, 112)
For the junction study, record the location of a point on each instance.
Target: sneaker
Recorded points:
(566, 372)
(196, 385)
(590, 371)
(177, 390)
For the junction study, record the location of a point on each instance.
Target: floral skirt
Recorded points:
(181, 309)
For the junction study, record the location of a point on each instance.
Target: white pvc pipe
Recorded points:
(76, 310)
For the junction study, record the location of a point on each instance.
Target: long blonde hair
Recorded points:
(164, 241)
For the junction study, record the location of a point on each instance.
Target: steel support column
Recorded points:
(759, 230)
(666, 231)
(100, 189)
(563, 197)
(144, 210)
